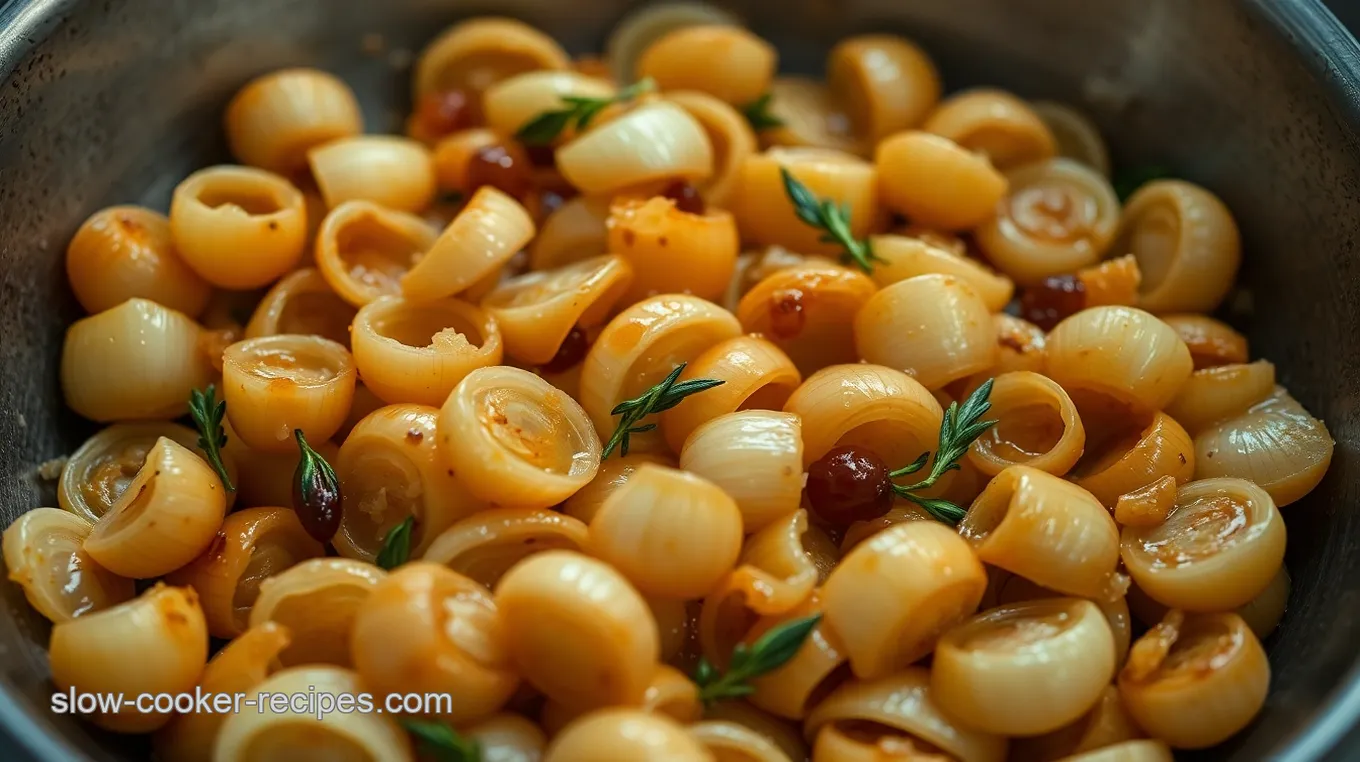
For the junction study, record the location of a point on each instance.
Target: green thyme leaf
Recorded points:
(659, 398)
(580, 111)
(397, 545)
(825, 215)
(960, 427)
(442, 742)
(771, 651)
(207, 414)
(758, 114)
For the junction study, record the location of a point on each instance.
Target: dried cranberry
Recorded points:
(1050, 302)
(444, 112)
(848, 485)
(685, 196)
(571, 352)
(502, 167)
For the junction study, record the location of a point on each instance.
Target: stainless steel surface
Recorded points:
(104, 102)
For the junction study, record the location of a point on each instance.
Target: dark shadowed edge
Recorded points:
(1322, 43)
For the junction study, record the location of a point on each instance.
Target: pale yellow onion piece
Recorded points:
(654, 141)
(670, 693)
(868, 406)
(43, 555)
(869, 743)
(238, 227)
(892, 596)
(1211, 342)
(1045, 529)
(1114, 281)
(537, 310)
(731, 742)
(936, 182)
(489, 230)
(252, 545)
(1025, 668)
(625, 735)
(822, 551)
(819, 665)
(1133, 455)
(425, 629)
(641, 28)
(1106, 724)
(126, 252)
(475, 54)
(901, 512)
(155, 643)
(730, 135)
(275, 118)
(575, 231)
(1187, 245)
(1194, 681)
(1264, 612)
(577, 630)
(137, 360)
(239, 667)
(454, 154)
(364, 250)
(811, 117)
(1275, 443)
(1219, 548)
(1120, 353)
(508, 737)
(302, 303)
(1219, 393)
(903, 702)
(1129, 751)
(488, 543)
(671, 533)
(756, 456)
(901, 257)
(1147, 506)
(766, 216)
(994, 123)
(365, 402)
(1036, 425)
(275, 385)
(293, 734)
(775, 574)
(388, 170)
(653, 234)
(886, 82)
(514, 439)
(756, 375)
(515, 101)
(934, 327)
(1012, 588)
(672, 624)
(614, 473)
(390, 468)
(100, 470)
(317, 601)
(169, 514)
(808, 311)
(725, 61)
(1059, 216)
(419, 351)
(641, 345)
(1022, 345)
(1076, 135)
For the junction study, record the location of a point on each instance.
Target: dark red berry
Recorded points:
(848, 485)
(444, 112)
(572, 351)
(685, 196)
(503, 167)
(1052, 301)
